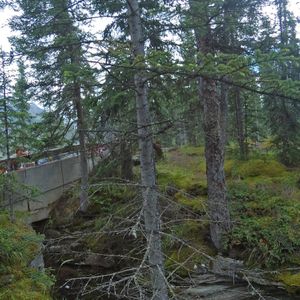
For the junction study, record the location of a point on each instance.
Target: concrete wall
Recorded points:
(51, 179)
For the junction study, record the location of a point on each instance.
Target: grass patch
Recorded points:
(183, 169)
(192, 151)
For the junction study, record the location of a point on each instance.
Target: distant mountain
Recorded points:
(35, 110)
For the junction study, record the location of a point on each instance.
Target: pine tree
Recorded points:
(284, 115)
(213, 122)
(21, 134)
(50, 39)
(6, 108)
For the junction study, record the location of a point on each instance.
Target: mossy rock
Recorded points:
(258, 167)
(254, 168)
(34, 287)
(291, 281)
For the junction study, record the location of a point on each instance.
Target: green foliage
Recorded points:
(49, 131)
(264, 199)
(9, 182)
(107, 168)
(19, 244)
(282, 75)
(107, 197)
(266, 225)
(20, 134)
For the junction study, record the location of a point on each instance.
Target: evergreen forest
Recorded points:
(182, 118)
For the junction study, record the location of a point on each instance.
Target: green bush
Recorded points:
(19, 244)
(107, 196)
(266, 226)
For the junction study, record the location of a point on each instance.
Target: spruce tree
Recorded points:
(21, 134)
(6, 108)
(50, 39)
(284, 114)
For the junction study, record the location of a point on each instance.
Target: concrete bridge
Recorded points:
(51, 180)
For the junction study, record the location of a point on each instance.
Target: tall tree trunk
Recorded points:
(150, 195)
(214, 154)
(214, 125)
(240, 124)
(191, 124)
(72, 53)
(84, 202)
(126, 160)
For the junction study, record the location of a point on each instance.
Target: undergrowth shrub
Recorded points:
(108, 196)
(266, 226)
(19, 244)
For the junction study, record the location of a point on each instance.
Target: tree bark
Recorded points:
(214, 154)
(126, 160)
(149, 192)
(76, 58)
(84, 202)
(214, 125)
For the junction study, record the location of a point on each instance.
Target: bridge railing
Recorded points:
(51, 180)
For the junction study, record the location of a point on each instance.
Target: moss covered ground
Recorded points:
(264, 199)
(181, 176)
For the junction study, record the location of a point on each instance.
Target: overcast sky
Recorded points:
(294, 6)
